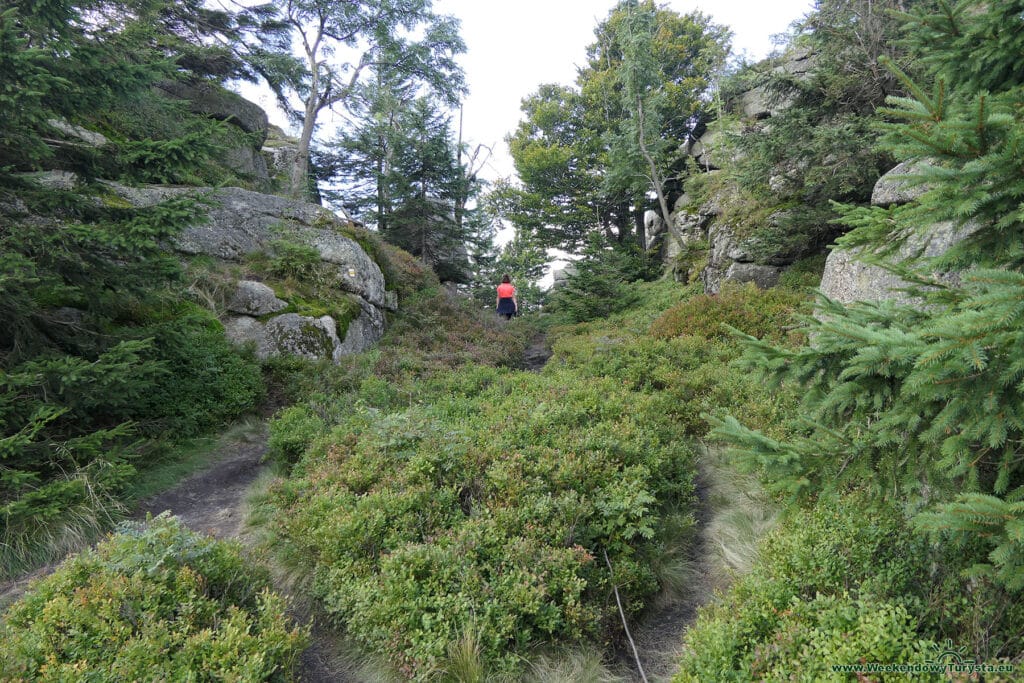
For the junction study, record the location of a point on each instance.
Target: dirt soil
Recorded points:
(536, 354)
(659, 632)
(212, 501)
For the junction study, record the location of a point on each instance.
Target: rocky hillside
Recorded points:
(242, 231)
(790, 136)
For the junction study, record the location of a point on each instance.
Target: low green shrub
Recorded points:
(760, 313)
(434, 334)
(291, 259)
(805, 273)
(291, 432)
(70, 421)
(440, 495)
(687, 376)
(155, 602)
(487, 510)
(813, 635)
(848, 582)
(209, 382)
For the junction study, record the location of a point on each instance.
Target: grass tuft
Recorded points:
(739, 515)
(572, 666)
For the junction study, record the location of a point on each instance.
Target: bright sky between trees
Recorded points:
(513, 47)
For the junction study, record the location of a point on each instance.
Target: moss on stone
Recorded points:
(308, 340)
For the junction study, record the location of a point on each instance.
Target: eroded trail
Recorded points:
(537, 353)
(732, 516)
(659, 632)
(209, 501)
(212, 501)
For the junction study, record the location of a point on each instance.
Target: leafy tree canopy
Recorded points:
(401, 41)
(588, 156)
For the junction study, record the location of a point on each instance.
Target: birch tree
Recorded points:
(344, 43)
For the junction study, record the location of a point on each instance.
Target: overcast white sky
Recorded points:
(514, 46)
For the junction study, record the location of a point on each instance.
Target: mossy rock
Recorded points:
(344, 309)
(301, 336)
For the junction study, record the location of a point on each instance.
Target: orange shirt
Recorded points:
(506, 290)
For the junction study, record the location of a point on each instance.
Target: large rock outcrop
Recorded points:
(256, 299)
(847, 279)
(279, 152)
(730, 256)
(239, 223)
(896, 188)
(560, 276)
(209, 99)
(287, 334)
(242, 228)
(758, 104)
(218, 103)
(307, 336)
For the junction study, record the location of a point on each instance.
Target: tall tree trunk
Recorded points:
(606, 225)
(381, 223)
(463, 188)
(299, 183)
(657, 182)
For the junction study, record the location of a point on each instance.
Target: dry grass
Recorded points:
(573, 666)
(739, 515)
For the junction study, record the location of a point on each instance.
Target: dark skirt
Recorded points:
(506, 306)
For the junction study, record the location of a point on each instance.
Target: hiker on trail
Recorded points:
(506, 302)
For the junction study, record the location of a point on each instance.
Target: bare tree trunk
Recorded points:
(462, 193)
(657, 182)
(299, 181)
(299, 184)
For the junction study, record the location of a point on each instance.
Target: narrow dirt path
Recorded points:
(537, 353)
(659, 632)
(732, 516)
(212, 501)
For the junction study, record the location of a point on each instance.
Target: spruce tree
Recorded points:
(924, 402)
(99, 345)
